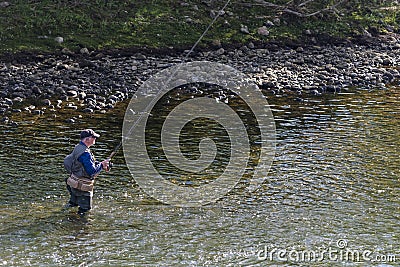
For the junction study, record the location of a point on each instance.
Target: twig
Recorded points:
(305, 3)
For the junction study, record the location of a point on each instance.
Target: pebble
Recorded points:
(66, 51)
(263, 31)
(36, 90)
(84, 51)
(269, 23)
(4, 4)
(59, 39)
(244, 29)
(71, 106)
(88, 110)
(220, 51)
(72, 93)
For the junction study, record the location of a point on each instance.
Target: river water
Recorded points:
(333, 190)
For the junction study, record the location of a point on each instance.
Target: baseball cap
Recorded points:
(88, 132)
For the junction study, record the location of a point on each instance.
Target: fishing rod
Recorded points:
(110, 164)
(173, 74)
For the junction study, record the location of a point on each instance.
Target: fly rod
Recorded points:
(158, 93)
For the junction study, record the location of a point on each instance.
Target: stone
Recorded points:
(71, 106)
(91, 96)
(19, 95)
(36, 90)
(277, 21)
(46, 102)
(72, 93)
(8, 101)
(269, 23)
(244, 29)
(66, 51)
(114, 98)
(82, 95)
(220, 51)
(216, 42)
(263, 31)
(18, 99)
(84, 51)
(4, 4)
(59, 39)
(88, 110)
(387, 62)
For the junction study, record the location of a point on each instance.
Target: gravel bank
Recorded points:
(95, 82)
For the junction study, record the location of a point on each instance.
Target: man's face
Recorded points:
(91, 140)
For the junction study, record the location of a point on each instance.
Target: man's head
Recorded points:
(88, 137)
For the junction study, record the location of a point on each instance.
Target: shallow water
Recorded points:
(334, 182)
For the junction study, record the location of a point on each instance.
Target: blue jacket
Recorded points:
(91, 166)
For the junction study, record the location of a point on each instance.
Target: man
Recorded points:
(83, 169)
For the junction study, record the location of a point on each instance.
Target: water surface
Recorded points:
(335, 178)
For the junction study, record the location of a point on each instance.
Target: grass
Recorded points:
(31, 25)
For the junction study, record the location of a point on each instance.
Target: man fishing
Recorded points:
(83, 169)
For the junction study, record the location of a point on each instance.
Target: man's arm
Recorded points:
(88, 163)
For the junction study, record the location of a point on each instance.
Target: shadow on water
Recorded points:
(335, 176)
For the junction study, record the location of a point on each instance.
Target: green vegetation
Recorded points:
(32, 25)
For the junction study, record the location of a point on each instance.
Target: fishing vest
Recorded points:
(79, 178)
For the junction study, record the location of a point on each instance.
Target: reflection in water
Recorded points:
(335, 176)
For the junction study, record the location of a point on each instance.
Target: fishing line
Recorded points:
(169, 79)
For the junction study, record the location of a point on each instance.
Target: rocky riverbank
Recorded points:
(97, 81)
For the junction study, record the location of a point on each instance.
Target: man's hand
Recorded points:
(106, 163)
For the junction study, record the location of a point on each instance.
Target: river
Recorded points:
(331, 197)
